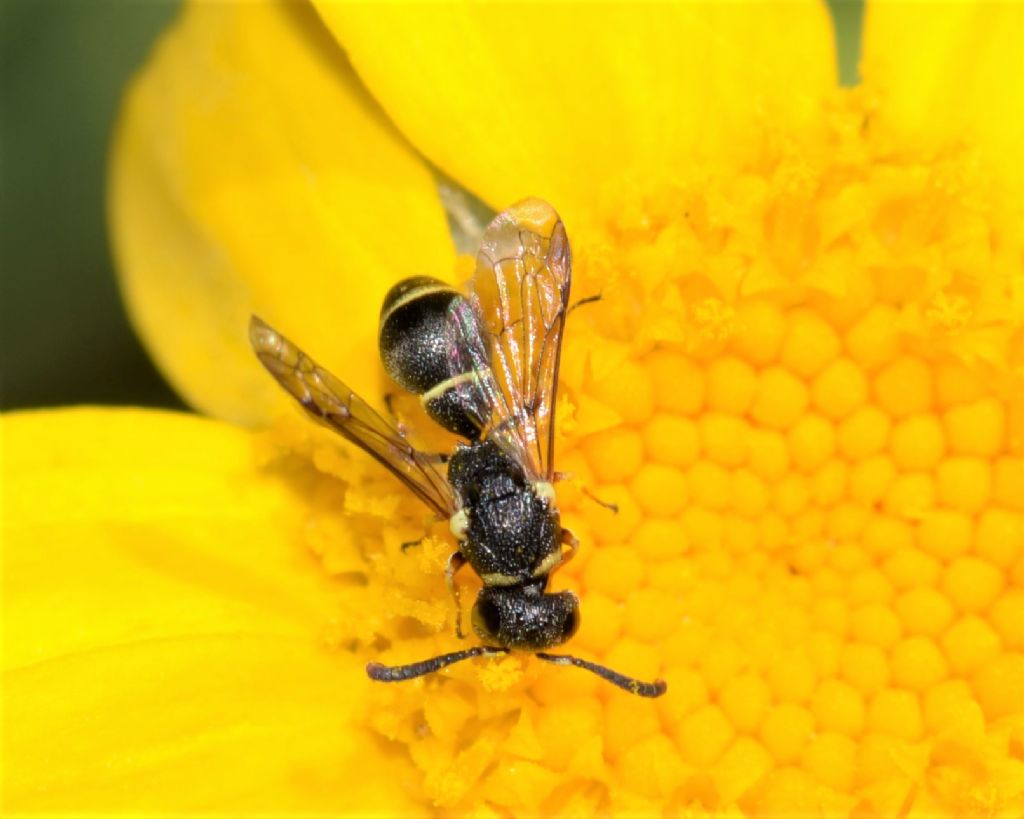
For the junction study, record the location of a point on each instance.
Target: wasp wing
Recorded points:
(520, 297)
(330, 402)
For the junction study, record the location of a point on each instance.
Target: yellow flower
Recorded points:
(802, 388)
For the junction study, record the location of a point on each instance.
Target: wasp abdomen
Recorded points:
(417, 336)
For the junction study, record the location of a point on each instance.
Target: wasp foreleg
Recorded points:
(455, 562)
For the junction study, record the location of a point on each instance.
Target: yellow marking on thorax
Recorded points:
(548, 563)
(545, 491)
(459, 524)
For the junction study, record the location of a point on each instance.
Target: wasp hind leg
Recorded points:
(611, 507)
(581, 302)
(455, 562)
(567, 476)
(389, 405)
(403, 431)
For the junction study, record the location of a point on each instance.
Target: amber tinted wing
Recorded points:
(329, 401)
(520, 293)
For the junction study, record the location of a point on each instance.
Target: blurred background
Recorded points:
(64, 338)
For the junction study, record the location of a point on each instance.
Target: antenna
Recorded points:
(397, 673)
(630, 684)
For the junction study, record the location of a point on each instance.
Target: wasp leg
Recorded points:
(581, 302)
(573, 542)
(410, 543)
(389, 403)
(403, 430)
(455, 562)
(559, 558)
(611, 507)
(568, 476)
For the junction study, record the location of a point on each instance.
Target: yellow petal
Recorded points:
(552, 100)
(951, 71)
(164, 629)
(251, 174)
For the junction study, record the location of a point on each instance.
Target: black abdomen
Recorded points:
(417, 336)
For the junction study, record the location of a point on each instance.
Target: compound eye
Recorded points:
(486, 618)
(571, 625)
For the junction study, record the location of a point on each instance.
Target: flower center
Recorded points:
(801, 391)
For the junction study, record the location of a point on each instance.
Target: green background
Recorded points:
(64, 338)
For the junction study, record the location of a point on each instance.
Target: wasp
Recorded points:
(485, 367)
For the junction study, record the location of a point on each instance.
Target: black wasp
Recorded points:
(485, 366)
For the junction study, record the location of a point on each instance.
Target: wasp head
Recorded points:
(525, 617)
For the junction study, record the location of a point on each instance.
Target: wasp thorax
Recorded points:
(417, 340)
(524, 617)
